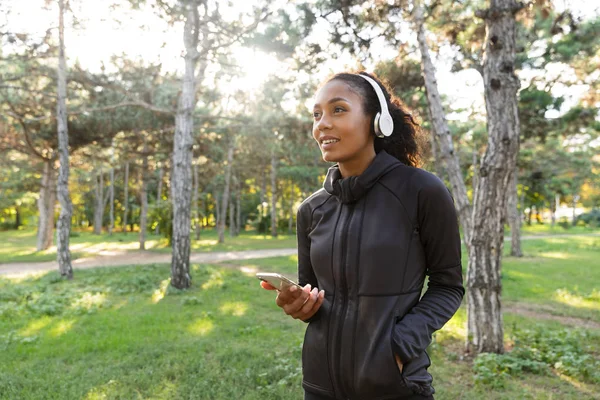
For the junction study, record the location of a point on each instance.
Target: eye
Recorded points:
(316, 114)
(338, 109)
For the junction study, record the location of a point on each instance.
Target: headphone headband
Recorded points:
(384, 124)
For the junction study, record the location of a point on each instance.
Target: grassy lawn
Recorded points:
(547, 229)
(19, 246)
(122, 333)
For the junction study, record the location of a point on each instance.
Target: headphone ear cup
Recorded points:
(386, 124)
(378, 132)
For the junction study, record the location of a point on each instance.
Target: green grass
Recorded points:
(20, 246)
(560, 275)
(546, 229)
(122, 333)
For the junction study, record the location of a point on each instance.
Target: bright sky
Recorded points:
(141, 34)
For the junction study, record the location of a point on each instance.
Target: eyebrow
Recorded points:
(333, 100)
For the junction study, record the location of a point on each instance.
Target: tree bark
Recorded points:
(485, 332)
(238, 208)
(555, 205)
(181, 174)
(291, 220)
(144, 198)
(63, 227)
(514, 217)
(159, 194)
(46, 207)
(217, 211)
(263, 193)
(98, 203)
(475, 157)
(442, 131)
(273, 194)
(17, 217)
(126, 197)
(232, 224)
(232, 227)
(111, 224)
(197, 223)
(225, 199)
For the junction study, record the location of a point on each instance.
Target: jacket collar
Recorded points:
(352, 188)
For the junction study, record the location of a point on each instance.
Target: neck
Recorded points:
(357, 165)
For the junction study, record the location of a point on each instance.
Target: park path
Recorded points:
(121, 258)
(138, 258)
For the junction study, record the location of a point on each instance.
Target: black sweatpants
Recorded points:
(313, 396)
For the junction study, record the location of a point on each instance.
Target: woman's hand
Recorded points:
(298, 303)
(400, 366)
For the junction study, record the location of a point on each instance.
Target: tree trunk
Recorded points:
(111, 224)
(126, 197)
(232, 227)
(159, 194)
(232, 224)
(263, 193)
(475, 157)
(238, 208)
(217, 211)
(63, 227)
(225, 199)
(197, 222)
(514, 219)
(144, 198)
(437, 161)
(273, 194)
(291, 220)
(98, 203)
(442, 131)
(554, 208)
(46, 207)
(181, 174)
(485, 332)
(575, 199)
(17, 217)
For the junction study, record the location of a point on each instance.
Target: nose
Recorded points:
(323, 123)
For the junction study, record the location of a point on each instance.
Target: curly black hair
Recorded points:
(406, 141)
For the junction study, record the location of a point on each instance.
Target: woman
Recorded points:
(367, 240)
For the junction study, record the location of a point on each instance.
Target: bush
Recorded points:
(591, 219)
(564, 223)
(537, 351)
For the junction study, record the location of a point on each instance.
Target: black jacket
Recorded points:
(369, 241)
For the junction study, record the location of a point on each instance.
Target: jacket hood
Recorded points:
(352, 188)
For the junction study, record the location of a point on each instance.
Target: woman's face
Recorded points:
(340, 125)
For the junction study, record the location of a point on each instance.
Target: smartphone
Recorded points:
(278, 281)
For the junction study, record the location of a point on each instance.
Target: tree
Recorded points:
(63, 227)
(498, 166)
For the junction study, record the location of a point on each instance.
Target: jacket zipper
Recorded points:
(343, 291)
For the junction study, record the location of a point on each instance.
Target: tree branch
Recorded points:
(28, 140)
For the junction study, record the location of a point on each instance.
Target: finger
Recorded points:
(316, 304)
(287, 296)
(266, 285)
(296, 305)
(315, 307)
(310, 303)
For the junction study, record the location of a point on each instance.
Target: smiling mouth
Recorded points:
(329, 141)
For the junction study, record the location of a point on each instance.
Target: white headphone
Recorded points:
(383, 123)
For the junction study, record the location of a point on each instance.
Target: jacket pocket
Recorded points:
(415, 375)
(315, 360)
(377, 375)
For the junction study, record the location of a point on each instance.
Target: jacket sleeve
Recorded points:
(306, 273)
(440, 238)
